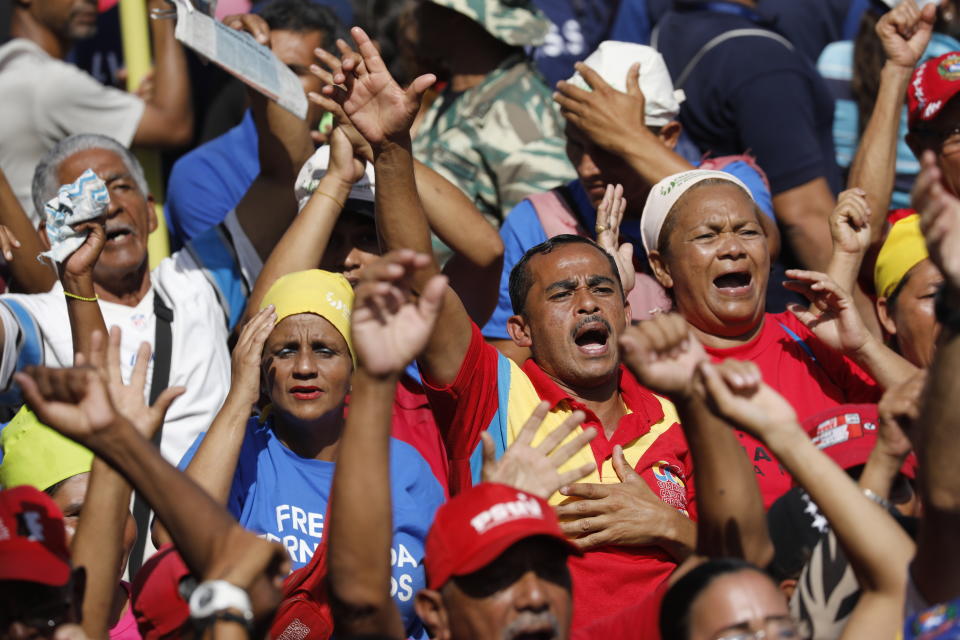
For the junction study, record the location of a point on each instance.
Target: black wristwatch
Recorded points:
(947, 308)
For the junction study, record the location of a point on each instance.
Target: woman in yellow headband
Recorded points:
(906, 282)
(274, 470)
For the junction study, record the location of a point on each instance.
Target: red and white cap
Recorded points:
(933, 84)
(848, 433)
(479, 524)
(33, 542)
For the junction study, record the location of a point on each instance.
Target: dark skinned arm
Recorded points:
(387, 336)
(167, 119)
(936, 569)
(382, 112)
(29, 274)
(269, 206)
(878, 549)
(904, 32)
(76, 403)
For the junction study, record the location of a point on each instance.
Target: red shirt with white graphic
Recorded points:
(809, 374)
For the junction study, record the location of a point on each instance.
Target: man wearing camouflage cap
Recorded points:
(494, 131)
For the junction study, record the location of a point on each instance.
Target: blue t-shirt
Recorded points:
(751, 93)
(836, 66)
(577, 28)
(522, 229)
(208, 182)
(813, 24)
(283, 497)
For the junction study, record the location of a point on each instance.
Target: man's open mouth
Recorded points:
(119, 234)
(592, 337)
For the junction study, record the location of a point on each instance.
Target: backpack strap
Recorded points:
(720, 39)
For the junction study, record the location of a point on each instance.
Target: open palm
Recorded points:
(373, 101)
(390, 327)
(73, 401)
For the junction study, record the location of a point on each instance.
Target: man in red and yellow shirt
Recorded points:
(571, 310)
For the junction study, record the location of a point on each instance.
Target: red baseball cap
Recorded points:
(305, 611)
(932, 86)
(479, 524)
(159, 607)
(848, 433)
(33, 542)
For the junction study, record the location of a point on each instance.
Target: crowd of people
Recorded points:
(609, 319)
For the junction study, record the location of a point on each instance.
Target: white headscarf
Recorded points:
(665, 194)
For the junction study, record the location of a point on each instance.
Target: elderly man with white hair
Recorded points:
(620, 109)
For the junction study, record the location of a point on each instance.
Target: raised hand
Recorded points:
(74, 401)
(345, 163)
(332, 66)
(8, 242)
(609, 216)
(373, 101)
(247, 356)
(602, 114)
(253, 24)
(898, 409)
(939, 219)
(905, 32)
(390, 324)
(735, 391)
(80, 263)
(850, 222)
(832, 315)
(627, 513)
(128, 399)
(663, 354)
(536, 469)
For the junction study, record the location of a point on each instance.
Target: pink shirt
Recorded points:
(126, 627)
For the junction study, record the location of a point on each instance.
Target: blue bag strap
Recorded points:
(793, 336)
(30, 346)
(498, 425)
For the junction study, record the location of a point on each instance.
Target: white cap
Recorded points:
(665, 194)
(316, 167)
(613, 59)
(920, 3)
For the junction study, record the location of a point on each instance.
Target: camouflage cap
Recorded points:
(516, 22)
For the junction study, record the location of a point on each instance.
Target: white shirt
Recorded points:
(46, 100)
(205, 284)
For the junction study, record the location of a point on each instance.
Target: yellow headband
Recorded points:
(36, 455)
(903, 249)
(328, 295)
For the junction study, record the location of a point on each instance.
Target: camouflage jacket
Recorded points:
(500, 141)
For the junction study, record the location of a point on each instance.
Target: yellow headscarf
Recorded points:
(903, 249)
(36, 455)
(328, 295)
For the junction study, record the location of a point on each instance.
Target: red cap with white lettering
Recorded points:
(33, 542)
(479, 524)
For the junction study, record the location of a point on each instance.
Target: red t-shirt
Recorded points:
(809, 374)
(608, 579)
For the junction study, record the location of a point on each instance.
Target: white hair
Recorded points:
(45, 181)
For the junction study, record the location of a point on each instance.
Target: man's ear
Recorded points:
(628, 311)
(883, 314)
(787, 587)
(430, 609)
(660, 269)
(151, 213)
(519, 331)
(670, 134)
